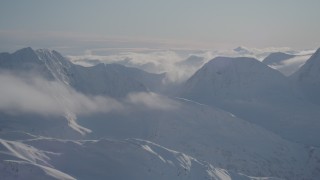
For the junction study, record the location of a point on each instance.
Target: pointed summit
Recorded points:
(25, 55)
(24, 50)
(242, 50)
(24, 60)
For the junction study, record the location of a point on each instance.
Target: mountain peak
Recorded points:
(242, 50)
(26, 55)
(24, 51)
(234, 78)
(48, 53)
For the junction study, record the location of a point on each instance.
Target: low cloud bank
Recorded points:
(20, 95)
(168, 61)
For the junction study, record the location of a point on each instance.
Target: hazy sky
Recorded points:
(162, 23)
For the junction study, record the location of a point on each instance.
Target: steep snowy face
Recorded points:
(240, 78)
(56, 64)
(307, 78)
(277, 58)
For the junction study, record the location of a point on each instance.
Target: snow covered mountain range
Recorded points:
(112, 79)
(235, 118)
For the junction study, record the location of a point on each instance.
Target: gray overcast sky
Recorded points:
(167, 23)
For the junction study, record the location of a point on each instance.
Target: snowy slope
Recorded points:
(150, 80)
(102, 159)
(98, 80)
(205, 133)
(307, 78)
(56, 64)
(257, 93)
(208, 134)
(53, 126)
(240, 78)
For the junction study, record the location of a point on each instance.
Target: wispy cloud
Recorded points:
(154, 61)
(163, 60)
(290, 66)
(152, 101)
(36, 95)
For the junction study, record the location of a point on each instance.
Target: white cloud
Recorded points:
(152, 101)
(290, 66)
(154, 61)
(162, 60)
(35, 95)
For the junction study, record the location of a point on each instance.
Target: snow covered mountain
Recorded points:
(287, 64)
(240, 78)
(112, 80)
(209, 134)
(257, 93)
(277, 58)
(307, 78)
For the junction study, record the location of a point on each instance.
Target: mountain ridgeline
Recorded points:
(235, 118)
(103, 79)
